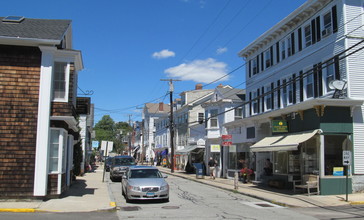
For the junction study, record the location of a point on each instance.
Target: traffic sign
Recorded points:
(346, 158)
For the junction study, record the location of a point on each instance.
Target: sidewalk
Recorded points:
(276, 196)
(88, 193)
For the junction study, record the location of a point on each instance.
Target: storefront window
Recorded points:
(237, 158)
(280, 162)
(310, 156)
(334, 146)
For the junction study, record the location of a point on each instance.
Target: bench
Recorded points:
(308, 182)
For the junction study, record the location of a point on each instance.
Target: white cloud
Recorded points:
(201, 71)
(221, 50)
(163, 54)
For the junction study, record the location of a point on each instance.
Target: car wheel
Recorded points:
(112, 178)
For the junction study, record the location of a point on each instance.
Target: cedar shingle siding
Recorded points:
(19, 91)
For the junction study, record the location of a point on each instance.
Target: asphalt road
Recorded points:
(192, 200)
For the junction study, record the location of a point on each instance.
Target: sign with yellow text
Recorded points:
(279, 126)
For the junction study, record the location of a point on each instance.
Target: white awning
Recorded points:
(286, 142)
(188, 149)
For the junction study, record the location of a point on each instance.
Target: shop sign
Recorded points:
(201, 142)
(338, 171)
(215, 148)
(279, 126)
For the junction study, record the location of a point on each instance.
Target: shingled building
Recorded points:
(38, 125)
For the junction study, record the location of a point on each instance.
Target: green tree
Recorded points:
(107, 130)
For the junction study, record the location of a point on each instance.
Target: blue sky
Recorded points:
(129, 45)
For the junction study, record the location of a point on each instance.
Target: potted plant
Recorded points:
(245, 173)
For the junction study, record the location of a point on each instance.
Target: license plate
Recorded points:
(149, 194)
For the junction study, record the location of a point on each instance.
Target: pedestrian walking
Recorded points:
(212, 166)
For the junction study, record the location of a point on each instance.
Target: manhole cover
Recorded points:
(170, 207)
(130, 208)
(264, 205)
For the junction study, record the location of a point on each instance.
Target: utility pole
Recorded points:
(171, 126)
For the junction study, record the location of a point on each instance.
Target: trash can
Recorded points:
(199, 170)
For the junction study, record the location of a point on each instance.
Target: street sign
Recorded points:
(227, 139)
(346, 158)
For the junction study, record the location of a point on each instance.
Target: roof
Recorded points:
(153, 108)
(233, 94)
(45, 29)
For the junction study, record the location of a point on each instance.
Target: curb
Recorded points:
(357, 203)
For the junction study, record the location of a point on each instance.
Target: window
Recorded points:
(61, 70)
(309, 86)
(327, 24)
(330, 74)
(289, 46)
(284, 93)
(255, 66)
(255, 103)
(283, 50)
(213, 118)
(334, 146)
(281, 162)
(238, 113)
(267, 58)
(201, 117)
(268, 98)
(57, 158)
(290, 90)
(308, 35)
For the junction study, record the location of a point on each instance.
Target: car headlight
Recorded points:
(134, 188)
(164, 187)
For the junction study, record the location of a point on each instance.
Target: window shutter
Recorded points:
(250, 103)
(334, 19)
(337, 68)
(318, 29)
(301, 86)
(315, 81)
(313, 30)
(258, 100)
(299, 39)
(262, 61)
(294, 89)
(278, 94)
(272, 94)
(277, 52)
(271, 55)
(320, 86)
(263, 102)
(250, 68)
(293, 43)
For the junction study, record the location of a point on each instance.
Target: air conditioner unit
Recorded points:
(326, 32)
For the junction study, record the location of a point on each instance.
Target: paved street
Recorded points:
(193, 200)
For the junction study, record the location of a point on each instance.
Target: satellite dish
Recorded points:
(337, 84)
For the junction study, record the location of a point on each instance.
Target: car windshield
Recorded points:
(145, 173)
(124, 161)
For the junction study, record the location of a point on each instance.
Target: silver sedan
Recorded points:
(144, 183)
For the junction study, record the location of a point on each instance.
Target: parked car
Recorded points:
(108, 164)
(144, 183)
(119, 164)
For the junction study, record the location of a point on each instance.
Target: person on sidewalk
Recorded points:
(212, 166)
(268, 168)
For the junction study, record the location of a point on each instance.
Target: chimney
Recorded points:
(198, 86)
(160, 106)
(220, 86)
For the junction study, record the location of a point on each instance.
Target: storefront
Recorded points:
(186, 157)
(239, 156)
(317, 151)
